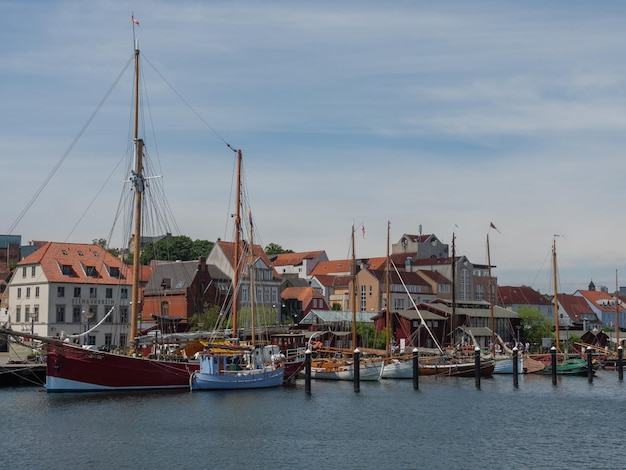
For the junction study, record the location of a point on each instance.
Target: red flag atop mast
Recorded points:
(135, 21)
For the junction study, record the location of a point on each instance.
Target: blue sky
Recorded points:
(432, 114)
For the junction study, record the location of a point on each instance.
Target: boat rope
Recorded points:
(64, 335)
(67, 152)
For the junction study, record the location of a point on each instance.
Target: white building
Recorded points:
(70, 288)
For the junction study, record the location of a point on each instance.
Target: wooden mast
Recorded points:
(616, 312)
(354, 341)
(493, 329)
(387, 314)
(138, 183)
(453, 291)
(251, 274)
(556, 302)
(237, 246)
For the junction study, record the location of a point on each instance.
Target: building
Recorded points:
(66, 289)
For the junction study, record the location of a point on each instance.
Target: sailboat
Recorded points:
(565, 365)
(230, 365)
(341, 367)
(73, 368)
(446, 363)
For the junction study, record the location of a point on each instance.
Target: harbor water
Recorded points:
(448, 423)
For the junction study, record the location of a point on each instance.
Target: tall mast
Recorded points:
(493, 330)
(354, 342)
(237, 245)
(453, 290)
(616, 311)
(251, 274)
(138, 183)
(556, 302)
(387, 315)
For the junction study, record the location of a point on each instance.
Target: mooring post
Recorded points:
(307, 371)
(590, 364)
(515, 367)
(477, 366)
(357, 370)
(416, 369)
(553, 363)
(620, 365)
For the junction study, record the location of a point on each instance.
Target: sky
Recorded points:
(439, 117)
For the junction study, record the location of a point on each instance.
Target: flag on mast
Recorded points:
(135, 21)
(494, 227)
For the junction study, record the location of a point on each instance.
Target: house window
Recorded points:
(122, 339)
(274, 295)
(76, 314)
(109, 319)
(165, 309)
(27, 313)
(123, 317)
(363, 298)
(60, 291)
(19, 292)
(67, 270)
(18, 314)
(93, 292)
(398, 304)
(108, 340)
(61, 313)
(28, 292)
(37, 292)
(24, 271)
(114, 272)
(91, 271)
(123, 293)
(109, 293)
(76, 292)
(36, 312)
(32, 271)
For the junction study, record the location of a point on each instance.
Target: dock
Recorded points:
(15, 373)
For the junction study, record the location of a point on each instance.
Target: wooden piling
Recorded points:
(307, 371)
(553, 363)
(477, 366)
(590, 364)
(416, 369)
(515, 367)
(357, 370)
(620, 363)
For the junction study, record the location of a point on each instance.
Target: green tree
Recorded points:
(175, 248)
(275, 249)
(534, 325)
(205, 321)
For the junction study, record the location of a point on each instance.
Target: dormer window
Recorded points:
(114, 272)
(67, 270)
(91, 271)
(166, 283)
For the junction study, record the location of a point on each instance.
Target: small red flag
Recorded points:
(363, 230)
(134, 20)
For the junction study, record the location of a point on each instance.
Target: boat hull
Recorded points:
(71, 368)
(568, 367)
(236, 380)
(326, 370)
(463, 369)
(505, 366)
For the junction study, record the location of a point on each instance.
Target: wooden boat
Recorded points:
(453, 368)
(240, 366)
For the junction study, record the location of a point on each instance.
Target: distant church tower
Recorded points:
(592, 286)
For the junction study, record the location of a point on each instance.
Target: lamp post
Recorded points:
(88, 316)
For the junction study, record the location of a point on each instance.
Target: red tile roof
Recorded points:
(77, 258)
(332, 267)
(521, 295)
(294, 259)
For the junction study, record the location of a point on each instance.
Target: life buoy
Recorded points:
(316, 344)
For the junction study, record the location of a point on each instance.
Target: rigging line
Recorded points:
(93, 200)
(189, 106)
(67, 152)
